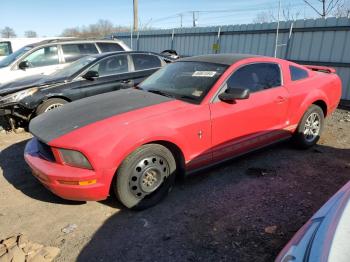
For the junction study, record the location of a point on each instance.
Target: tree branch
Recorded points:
(307, 2)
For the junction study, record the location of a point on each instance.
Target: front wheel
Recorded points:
(50, 104)
(145, 177)
(310, 128)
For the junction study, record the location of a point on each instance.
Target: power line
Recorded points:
(195, 14)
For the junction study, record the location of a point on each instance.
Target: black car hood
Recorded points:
(27, 82)
(61, 121)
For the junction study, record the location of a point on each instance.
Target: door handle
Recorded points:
(281, 99)
(126, 81)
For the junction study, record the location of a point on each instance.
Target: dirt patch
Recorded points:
(244, 210)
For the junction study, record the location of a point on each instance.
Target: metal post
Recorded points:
(218, 40)
(137, 41)
(131, 33)
(289, 39)
(194, 18)
(278, 27)
(172, 39)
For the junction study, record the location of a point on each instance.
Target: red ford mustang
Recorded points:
(190, 114)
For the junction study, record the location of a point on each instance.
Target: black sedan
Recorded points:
(91, 75)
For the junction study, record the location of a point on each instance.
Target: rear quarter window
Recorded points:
(5, 48)
(73, 52)
(109, 47)
(143, 61)
(297, 73)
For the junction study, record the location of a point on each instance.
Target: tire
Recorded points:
(50, 104)
(145, 177)
(306, 140)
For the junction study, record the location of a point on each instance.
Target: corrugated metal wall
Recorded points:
(314, 41)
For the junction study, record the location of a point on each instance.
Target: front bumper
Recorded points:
(50, 173)
(14, 116)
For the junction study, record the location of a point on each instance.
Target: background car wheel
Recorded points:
(50, 104)
(145, 176)
(310, 128)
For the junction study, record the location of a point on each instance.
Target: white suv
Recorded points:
(48, 56)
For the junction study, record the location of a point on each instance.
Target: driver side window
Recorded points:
(45, 56)
(256, 77)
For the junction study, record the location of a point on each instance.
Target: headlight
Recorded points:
(74, 158)
(15, 97)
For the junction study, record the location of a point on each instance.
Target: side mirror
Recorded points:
(232, 94)
(91, 75)
(23, 65)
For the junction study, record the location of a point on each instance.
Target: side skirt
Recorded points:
(190, 172)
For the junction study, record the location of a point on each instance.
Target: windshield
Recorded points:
(189, 81)
(73, 68)
(13, 57)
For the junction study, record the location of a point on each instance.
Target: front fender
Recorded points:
(31, 102)
(136, 139)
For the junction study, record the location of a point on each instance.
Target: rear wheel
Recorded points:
(50, 104)
(145, 176)
(310, 127)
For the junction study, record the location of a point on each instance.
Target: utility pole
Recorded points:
(181, 15)
(136, 20)
(194, 18)
(323, 9)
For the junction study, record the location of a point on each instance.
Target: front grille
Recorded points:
(45, 151)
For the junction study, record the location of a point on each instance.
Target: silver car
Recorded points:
(45, 57)
(326, 236)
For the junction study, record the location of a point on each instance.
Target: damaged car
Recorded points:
(191, 114)
(20, 101)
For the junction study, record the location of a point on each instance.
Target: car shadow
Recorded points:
(18, 174)
(227, 213)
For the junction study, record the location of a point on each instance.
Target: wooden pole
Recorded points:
(136, 20)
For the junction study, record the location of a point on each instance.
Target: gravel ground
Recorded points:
(233, 212)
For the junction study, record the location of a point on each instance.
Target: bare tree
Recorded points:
(327, 6)
(30, 33)
(105, 27)
(288, 13)
(100, 29)
(342, 10)
(263, 17)
(71, 32)
(8, 32)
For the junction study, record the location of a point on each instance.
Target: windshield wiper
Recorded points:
(159, 92)
(187, 97)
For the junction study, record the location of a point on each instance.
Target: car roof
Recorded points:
(224, 59)
(73, 40)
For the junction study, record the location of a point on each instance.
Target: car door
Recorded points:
(250, 123)
(145, 65)
(43, 61)
(114, 73)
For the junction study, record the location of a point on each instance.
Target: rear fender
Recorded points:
(311, 98)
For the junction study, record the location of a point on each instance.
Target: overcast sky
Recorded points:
(49, 18)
